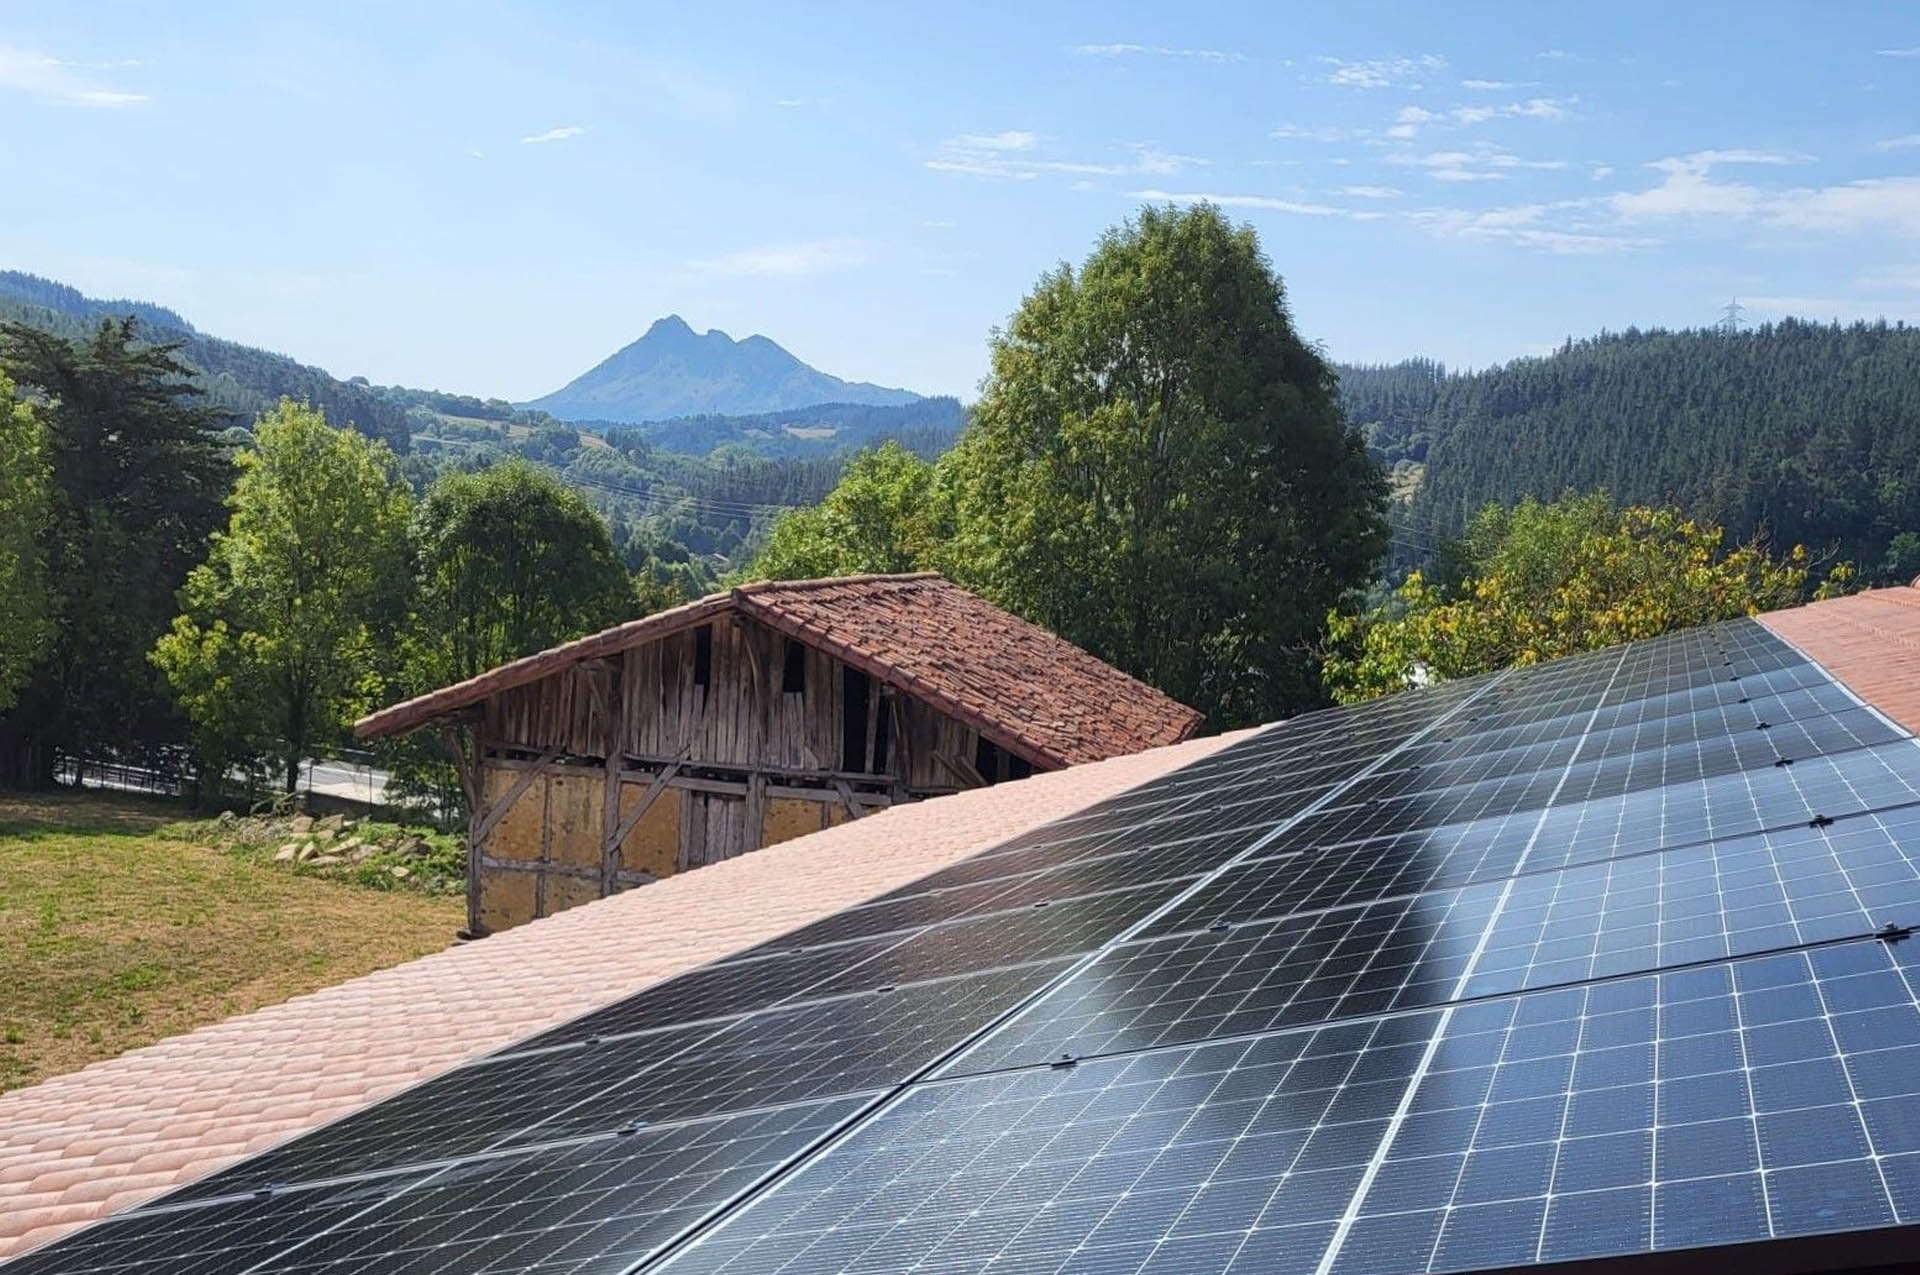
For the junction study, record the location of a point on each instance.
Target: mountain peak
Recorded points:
(671, 325)
(672, 371)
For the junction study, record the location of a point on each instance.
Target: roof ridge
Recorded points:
(828, 582)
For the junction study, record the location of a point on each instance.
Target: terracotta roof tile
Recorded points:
(1025, 689)
(121, 1131)
(1870, 641)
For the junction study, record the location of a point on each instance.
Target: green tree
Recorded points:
(1543, 580)
(136, 479)
(882, 516)
(285, 628)
(1158, 470)
(24, 623)
(508, 561)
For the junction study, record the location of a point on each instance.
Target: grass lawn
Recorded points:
(112, 937)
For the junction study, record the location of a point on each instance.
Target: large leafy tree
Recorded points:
(136, 479)
(508, 561)
(882, 516)
(24, 624)
(285, 629)
(1158, 470)
(1547, 579)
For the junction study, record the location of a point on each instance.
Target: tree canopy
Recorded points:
(286, 628)
(136, 477)
(1806, 432)
(24, 604)
(1158, 471)
(1548, 579)
(882, 516)
(508, 561)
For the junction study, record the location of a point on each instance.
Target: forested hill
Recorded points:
(240, 379)
(1810, 432)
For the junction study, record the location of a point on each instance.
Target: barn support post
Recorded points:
(481, 818)
(610, 834)
(463, 767)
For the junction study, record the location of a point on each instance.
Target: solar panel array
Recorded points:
(1600, 958)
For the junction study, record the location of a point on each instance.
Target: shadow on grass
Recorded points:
(66, 812)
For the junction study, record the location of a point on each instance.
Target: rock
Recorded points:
(400, 873)
(226, 816)
(306, 852)
(300, 825)
(411, 847)
(285, 853)
(359, 854)
(331, 824)
(325, 861)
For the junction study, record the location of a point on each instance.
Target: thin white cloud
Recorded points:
(1903, 142)
(1264, 203)
(554, 135)
(1494, 86)
(1485, 162)
(1153, 50)
(1011, 140)
(790, 103)
(1370, 192)
(1378, 73)
(66, 83)
(1301, 133)
(789, 260)
(1688, 189)
(1541, 227)
(1602, 171)
(1558, 55)
(1013, 156)
(1911, 51)
(1411, 119)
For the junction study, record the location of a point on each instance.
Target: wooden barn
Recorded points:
(752, 716)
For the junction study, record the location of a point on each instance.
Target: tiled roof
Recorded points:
(1030, 692)
(121, 1131)
(1870, 641)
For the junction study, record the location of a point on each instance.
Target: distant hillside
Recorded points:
(240, 379)
(1810, 432)
(674, 372)
(927, 426)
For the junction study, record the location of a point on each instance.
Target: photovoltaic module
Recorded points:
(1603, 958)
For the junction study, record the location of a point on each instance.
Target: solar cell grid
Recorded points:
(1168, 1161)
(459, 1113)
(715, 991)
(1772, 1097)
(1867, 847)
(812, 1050)
(597, 1206)
(1368, 959)
(1316, 1060)
(1720, 805)
(222, 1238)
(1742, 1101)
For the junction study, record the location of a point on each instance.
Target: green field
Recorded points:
(113, 935)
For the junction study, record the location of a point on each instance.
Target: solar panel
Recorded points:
(1598, 958)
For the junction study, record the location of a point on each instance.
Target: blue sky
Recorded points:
(490, 197)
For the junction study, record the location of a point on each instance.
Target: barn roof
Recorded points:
(1028, 691)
